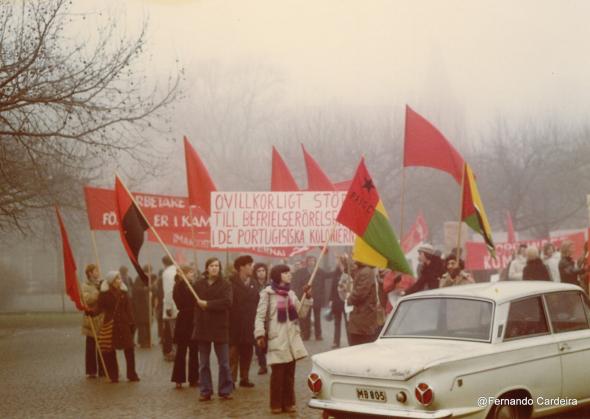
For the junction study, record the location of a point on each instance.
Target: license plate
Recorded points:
(372, 395)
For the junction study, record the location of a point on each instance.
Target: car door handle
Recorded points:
(563, 347)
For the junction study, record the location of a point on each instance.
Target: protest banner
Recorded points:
(184, 240)
(478, 258)
(276, 219)
(162, 211)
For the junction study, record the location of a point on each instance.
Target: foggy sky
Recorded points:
(477, 58)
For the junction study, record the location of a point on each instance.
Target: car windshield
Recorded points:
(446, 318)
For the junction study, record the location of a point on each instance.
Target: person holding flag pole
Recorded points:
(71, 285)
(132, 226)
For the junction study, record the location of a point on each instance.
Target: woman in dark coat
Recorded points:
(211, 327)
(535, 269)
(118, 326)
(185, 302)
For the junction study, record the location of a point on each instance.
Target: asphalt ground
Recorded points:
(42, 376)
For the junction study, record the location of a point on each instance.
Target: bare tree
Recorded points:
(67, 104)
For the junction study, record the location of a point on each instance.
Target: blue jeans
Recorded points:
(225, 383)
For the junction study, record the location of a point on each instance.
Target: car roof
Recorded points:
(499, 292)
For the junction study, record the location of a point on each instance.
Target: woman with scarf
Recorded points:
(118, 326)
(277, 322)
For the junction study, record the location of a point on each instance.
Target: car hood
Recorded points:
(397, 359)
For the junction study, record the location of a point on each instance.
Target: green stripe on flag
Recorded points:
(380, 236)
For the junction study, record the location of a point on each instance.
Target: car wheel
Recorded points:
(507, 412)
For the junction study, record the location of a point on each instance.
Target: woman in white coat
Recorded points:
(277, 320)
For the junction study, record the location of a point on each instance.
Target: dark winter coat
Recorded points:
(363, 319)
(185, 303)
(301, 278)
(116, 306)
(536, 270)
(140, 297)
(243, 311)
(212, 323)
(568, 271)
(429, 277)
(337, 303)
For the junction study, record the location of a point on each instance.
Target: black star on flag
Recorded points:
(368, 185)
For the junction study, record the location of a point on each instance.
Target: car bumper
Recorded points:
(371, 410)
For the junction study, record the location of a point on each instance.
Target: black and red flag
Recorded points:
(132, 225)
(69, 265)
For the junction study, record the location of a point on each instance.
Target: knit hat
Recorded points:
(109, 279)
(277, 271)
(427, 248)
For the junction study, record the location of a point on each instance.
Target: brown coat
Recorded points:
(116, 306)
(363, 319)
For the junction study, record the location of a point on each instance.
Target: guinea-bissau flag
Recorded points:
(69, 265)
(363, 212)
(132, 225)
(472, 212)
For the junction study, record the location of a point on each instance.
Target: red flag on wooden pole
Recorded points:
(69, 265)
(317, 180)
(425, 146)
(281, 178)
(199, 183)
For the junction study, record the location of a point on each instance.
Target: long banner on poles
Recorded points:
(164, 212)
(277, 219)
(171, 217)
(478, 258)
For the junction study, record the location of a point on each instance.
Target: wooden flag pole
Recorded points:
(460, 224)
(401, 223)
(149, 303)
(104, 367)
(318, 260)
(193, 240)
(155, 233)
(95, 248)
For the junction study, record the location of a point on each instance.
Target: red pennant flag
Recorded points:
(425, 146)
(69, 265)
(316, 178)
(417, 234)
(510, 228)
(343, 186)
(132, 225)
(200, 185)
(281, 178)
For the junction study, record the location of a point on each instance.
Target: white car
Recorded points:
(493, 350)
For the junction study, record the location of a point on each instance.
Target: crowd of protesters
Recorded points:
(269, 312)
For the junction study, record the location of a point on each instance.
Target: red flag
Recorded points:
(510, 228)
(69, 265)
(316, 178)
(132, 225)
(281, 178)
(417, 234)
(343, 186)
(200, 185)
(424, 145)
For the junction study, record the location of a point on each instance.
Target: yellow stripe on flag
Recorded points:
(364, 253)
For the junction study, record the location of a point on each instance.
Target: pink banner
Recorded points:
(479, 259)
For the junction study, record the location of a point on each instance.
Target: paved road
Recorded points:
(42, 376)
